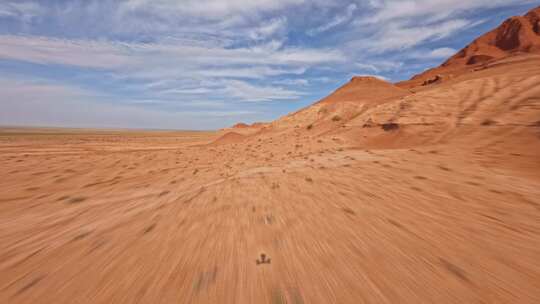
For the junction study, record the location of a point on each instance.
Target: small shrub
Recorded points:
(488, 122)
(76, 200)
(149, 228)
(390, 126)
(348, 211)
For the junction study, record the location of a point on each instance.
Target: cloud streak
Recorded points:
(21, 10)
(115, 55)
(398, 36)
(336, 21)
(212, 68)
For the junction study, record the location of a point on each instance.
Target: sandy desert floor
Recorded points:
(92, 216)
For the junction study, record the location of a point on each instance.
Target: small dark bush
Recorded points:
(488, 122)
(76, 200)
(391, 126)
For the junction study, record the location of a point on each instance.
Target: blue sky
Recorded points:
(206, 64)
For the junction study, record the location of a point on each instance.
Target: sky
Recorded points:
(207, 64)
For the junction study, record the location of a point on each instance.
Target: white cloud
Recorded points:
(439, 53)
(269, 29)
(244, 91)
(22, 10)
(249, 72)
(388, 10)
(442, 52)
(117, 55)
(338, 20)
(208, 8)
(172, 65)
(398, 36)
(379, 66)
(292, 82)
(42, 50)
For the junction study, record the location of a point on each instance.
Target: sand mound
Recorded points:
(364, 89)
(259, 124)
(229, 138)
(246, 129)
(359, 94)
(515, 35)
(240, 125)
